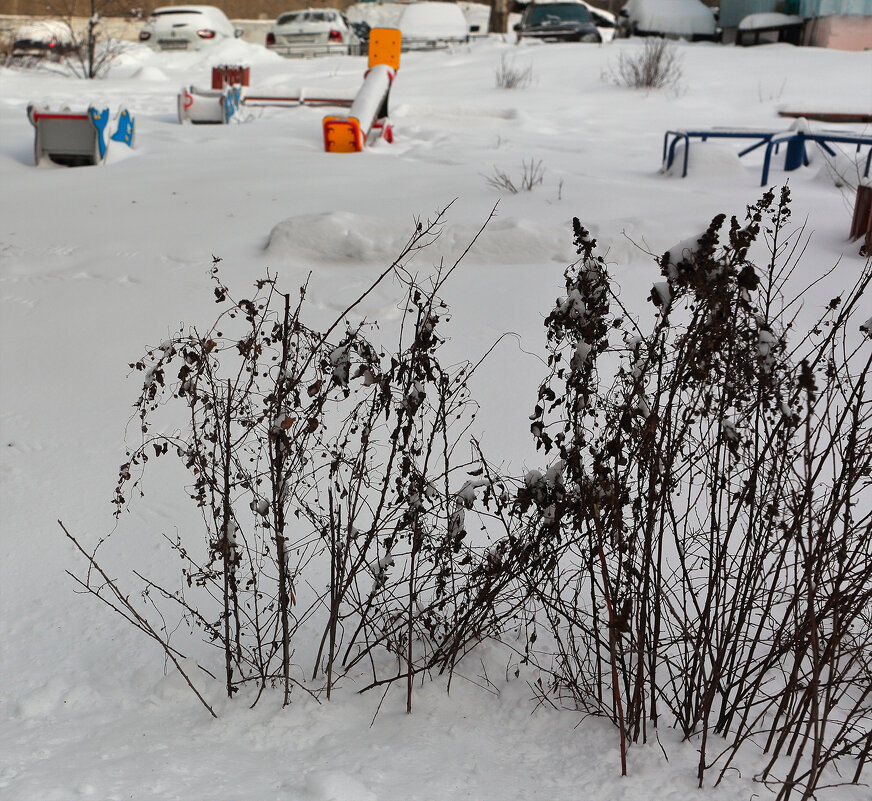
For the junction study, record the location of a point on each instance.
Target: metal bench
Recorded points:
(822, 138)
(794, 139)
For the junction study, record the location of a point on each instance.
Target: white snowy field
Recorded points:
(97, 263)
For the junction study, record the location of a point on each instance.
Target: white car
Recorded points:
(688, 19)
(186, 28)
(313, 32)
(428, 24)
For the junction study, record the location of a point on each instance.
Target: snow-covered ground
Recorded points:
(96, 263)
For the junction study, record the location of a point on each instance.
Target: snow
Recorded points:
(768, 20)
(432, 22)
(675, 17)
(44, 31)
(387, 15)
(97, 263)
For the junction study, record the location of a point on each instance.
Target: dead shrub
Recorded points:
(657, 66)
(511, 76)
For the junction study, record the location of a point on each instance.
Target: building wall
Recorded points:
(840, 32)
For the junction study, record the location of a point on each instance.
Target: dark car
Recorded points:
(362, 30)
(48, 40)
(558, 22)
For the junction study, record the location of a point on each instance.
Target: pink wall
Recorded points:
(840, 32)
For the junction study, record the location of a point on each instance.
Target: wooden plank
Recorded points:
(828, 116)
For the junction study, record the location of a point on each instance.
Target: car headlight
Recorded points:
(590, 37)
(144, 36)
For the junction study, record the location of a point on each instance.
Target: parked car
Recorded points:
(313, 32)
(564, 21)
(186, 28)
(687, 19)
(43, 40)
(362, 29)
(427, 25)
(606, 22)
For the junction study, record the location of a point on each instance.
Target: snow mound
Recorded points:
(323, 786)
(54, 696)
(337, 237)
(142, 63)
(768, 20)
(171, 688)
(841, 169)
(149, 73)
(707, 160)
(43, 701)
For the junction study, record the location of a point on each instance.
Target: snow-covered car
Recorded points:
(43, 39)
(562, 21)
(687, 19)
(186, 28)
(426, 24)
(313, 32)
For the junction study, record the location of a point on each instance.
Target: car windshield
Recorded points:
(306, 16)
(176, 11)
(558, 12)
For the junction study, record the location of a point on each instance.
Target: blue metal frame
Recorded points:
(772, 140)
(99, 119)
(822, 138)
(124, 129)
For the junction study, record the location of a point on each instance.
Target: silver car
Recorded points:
(313, 32)
(186, 28)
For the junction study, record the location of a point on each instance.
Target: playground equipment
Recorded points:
(208, 106)
(795, 140)
(367, 117)
(217, 105)
(299, 98)
(76, 138)
(230, 75)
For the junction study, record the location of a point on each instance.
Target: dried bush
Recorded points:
(511, 76)
(532, 175)
(709, 507)
(697, 552)
(319, 459)
(656, 66)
